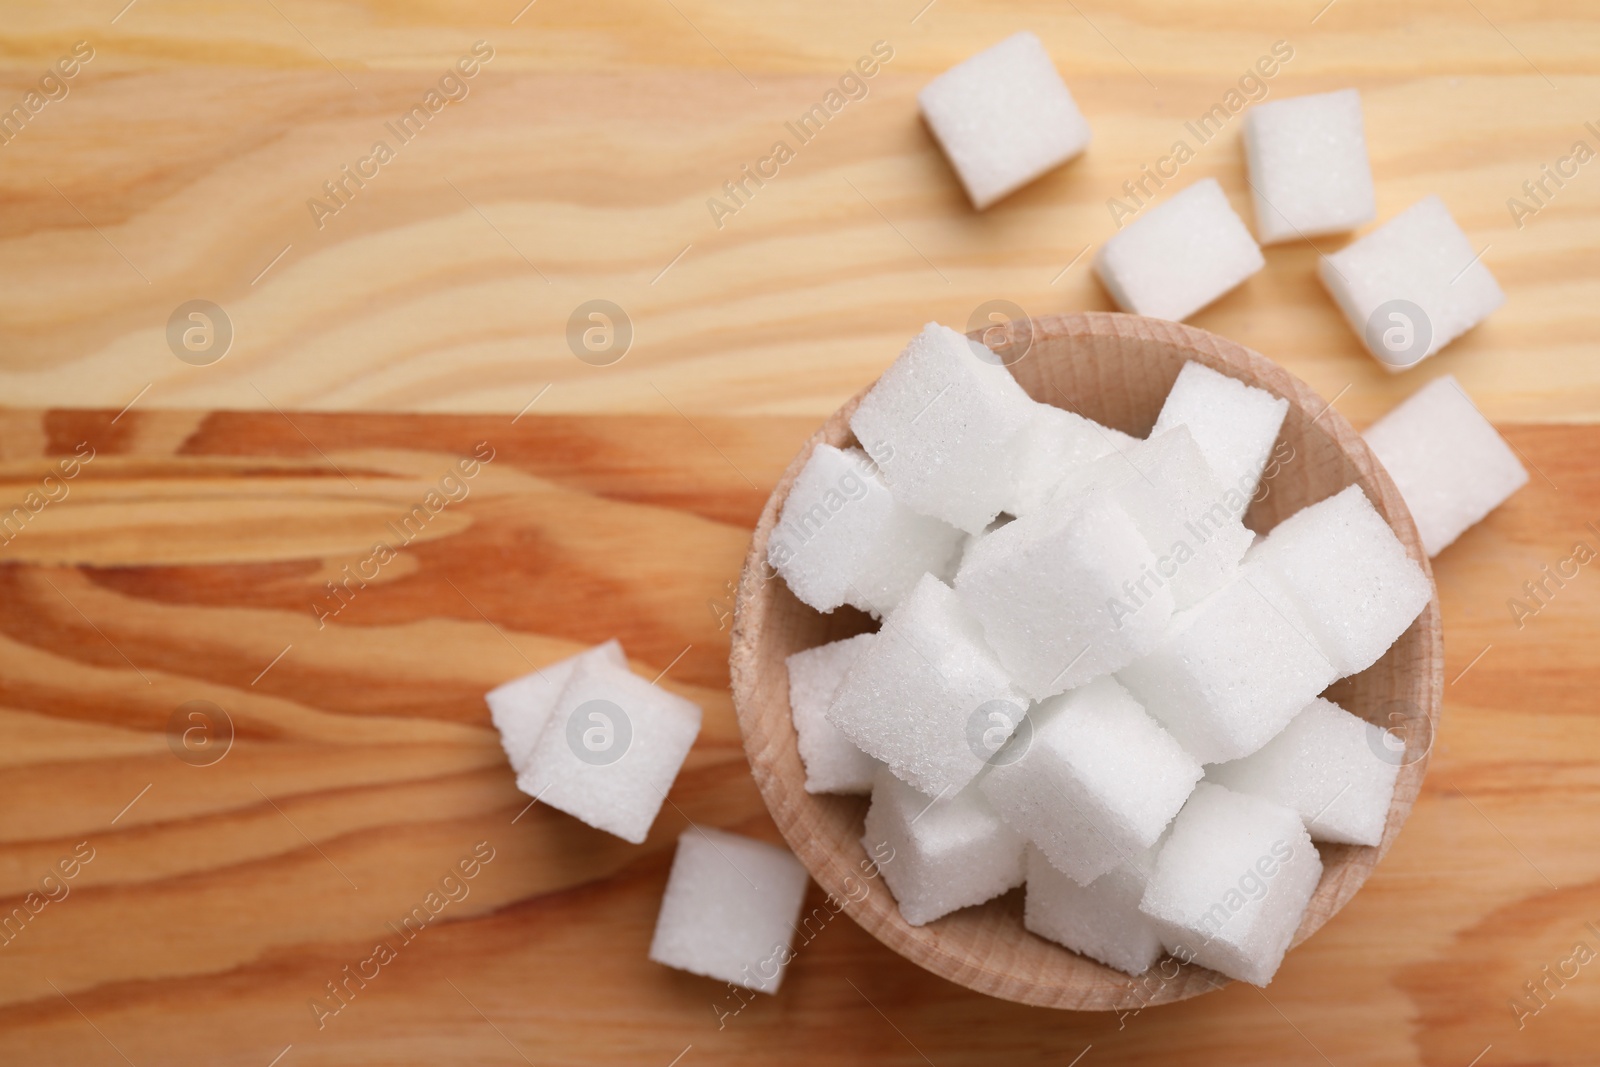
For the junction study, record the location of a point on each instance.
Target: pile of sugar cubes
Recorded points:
(1090, 678)
(1004, 118)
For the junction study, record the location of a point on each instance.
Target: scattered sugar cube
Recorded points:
(1003, 117)
(730, 909)
(1232, 883)
(522, 706)
(1308, 166)
(1100, 920)
(1093, 783)
(1179, 256)
(942, 854)
(844, 539)
(1052, 444)
(1233, 424)
(611, 749)
(943, 420)
(1448, 462)
(918, 693)
(1328, 765)
(1043, 588)
(1192, 523)
(1349, 575)
(833, 764)
(1233, 670)
(1411, 286)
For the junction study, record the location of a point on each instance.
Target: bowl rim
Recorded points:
(788, 803)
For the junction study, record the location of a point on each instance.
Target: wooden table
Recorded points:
(186, 560)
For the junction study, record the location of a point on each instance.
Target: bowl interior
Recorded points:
(1117, 370)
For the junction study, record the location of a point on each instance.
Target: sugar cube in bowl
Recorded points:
(1116, 369)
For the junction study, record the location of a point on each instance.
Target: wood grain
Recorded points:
(216, 907)
(581, 163)
(1116, 369)
(194, 542)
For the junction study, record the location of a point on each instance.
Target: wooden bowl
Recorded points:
(1115, 369)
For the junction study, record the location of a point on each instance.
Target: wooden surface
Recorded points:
(1117, 370)
(192, 547)
(190, 552)
(581, 163)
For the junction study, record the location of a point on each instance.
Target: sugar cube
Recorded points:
(521, 707)
(1233, 424)
(1100, 920)
(1411, 286)
(1232, 670)
(611, 749)
(1349, 575)
(943, 420)
(1179, 256)
(939, 854)
(1448, 462)
(1046, 590)
(1053, 443)
(1191, 521)
(918, 697)
(730, 909)
(1093, 782)
(1308, 166)
(1003, 117)
(1232, 883)
(1332, 767)
(833, 764)
(972, 539)
(844, 539)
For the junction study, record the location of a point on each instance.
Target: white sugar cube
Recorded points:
(1411, 286)
(1179, 256)
(1308, 166)
(1090, 779)
(1003, 117)
(1349, 575)
(1335, 769)
(919, 695)
(833, 763)
(938, 855)
(1043, 588)
(1100, 920)
(521, 707)
(730, 909)
(1232, 883)
(844, 539)
(1052, 444)
(972, 540)
(1233, 424)
(943, 420)
(1233, 670)
(1191, 521)
(1448, 462)
(611, 749)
